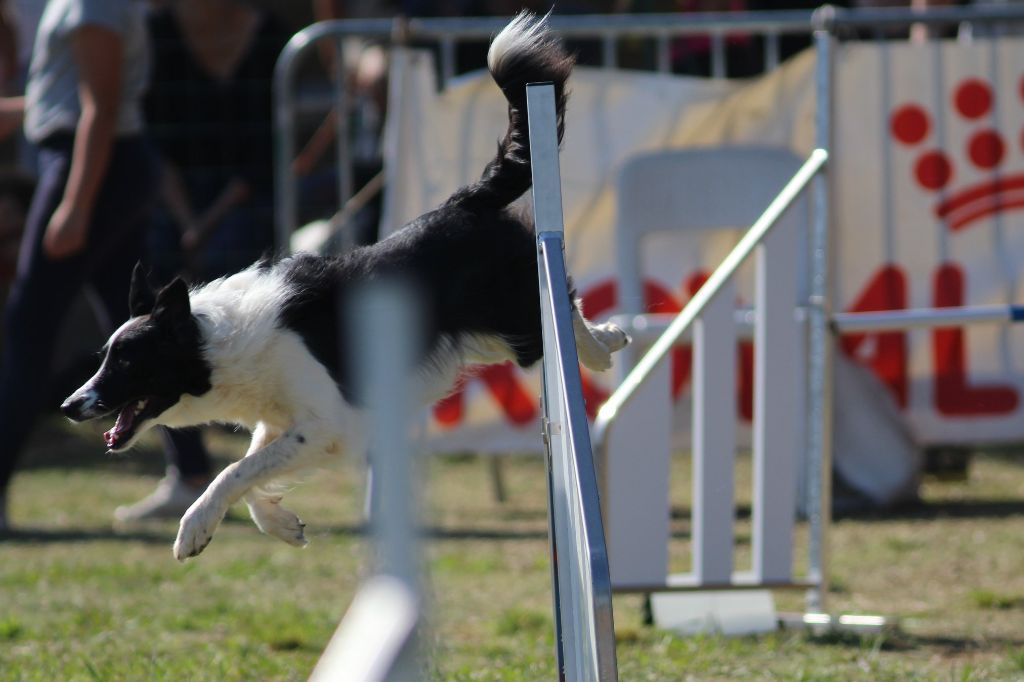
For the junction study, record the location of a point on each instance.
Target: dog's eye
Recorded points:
(118, 355)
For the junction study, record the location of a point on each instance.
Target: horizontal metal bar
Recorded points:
(575, 26)
(596, 25)
(936, 16)
(625, 391)
(646, 328)
(860, 624)
(895, 320)
(580, 25)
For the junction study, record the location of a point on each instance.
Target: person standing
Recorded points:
(209, 111)
(98, 181)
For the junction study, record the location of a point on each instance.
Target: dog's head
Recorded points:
(154, 359)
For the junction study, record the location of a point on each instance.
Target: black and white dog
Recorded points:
(260, 348)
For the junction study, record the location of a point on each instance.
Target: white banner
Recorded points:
(927, 212)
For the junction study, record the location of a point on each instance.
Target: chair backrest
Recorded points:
(694, 189)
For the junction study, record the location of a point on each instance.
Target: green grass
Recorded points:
(81, 601)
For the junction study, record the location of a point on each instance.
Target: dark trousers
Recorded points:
(44, 290)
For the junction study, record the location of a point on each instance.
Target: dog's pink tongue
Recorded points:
(125, 419)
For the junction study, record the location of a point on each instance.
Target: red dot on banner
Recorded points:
(973, 98)
(909, 124)
(933, 170)
(986, 149)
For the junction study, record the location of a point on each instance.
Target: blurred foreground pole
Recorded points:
(376, 640)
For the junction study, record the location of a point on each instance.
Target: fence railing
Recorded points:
(447, 33)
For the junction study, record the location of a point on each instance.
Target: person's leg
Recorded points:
(37, 304)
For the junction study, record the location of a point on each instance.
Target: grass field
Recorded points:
(79, 601)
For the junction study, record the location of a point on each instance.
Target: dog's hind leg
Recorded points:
(595, 343)
(296, 449)
(264, 501)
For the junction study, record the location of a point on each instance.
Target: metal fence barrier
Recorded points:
(448, 33)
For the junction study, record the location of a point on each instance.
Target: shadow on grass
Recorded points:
(928, 511)
(899, 640)
(32, 536)
(743, 511)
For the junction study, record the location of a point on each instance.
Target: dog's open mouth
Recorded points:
(128, 418)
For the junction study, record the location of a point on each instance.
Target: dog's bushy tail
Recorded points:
(524, 52)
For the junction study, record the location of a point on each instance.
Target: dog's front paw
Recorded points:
(612, 336)
(196, 530)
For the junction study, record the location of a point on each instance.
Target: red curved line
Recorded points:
(983, 210)
(974, 192)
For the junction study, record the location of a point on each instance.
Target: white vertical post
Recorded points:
(776, 404)
(714, 438)
(636, 475)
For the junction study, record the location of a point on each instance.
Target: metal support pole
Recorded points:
(584, 624)
(819, 436)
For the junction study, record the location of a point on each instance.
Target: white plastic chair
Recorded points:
(697, 190)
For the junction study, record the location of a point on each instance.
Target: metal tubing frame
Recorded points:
(916, 318)
(584, 622)
(819, 341)
(606, 28)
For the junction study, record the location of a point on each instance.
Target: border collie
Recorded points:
(260, 348)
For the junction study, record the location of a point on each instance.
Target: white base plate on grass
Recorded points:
(726, 612)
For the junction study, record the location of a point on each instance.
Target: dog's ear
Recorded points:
(141, 297)
(172, 304)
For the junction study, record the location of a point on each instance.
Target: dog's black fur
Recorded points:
(472, 261)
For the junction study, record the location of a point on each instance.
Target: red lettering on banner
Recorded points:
(953, 396)
(886, 290)
(886, 353)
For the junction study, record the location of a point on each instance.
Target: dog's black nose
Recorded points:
(72, 408)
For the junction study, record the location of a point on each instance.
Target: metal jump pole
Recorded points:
(584, 625)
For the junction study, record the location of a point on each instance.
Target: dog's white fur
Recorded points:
(265, 379)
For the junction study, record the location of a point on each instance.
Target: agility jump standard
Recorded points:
(584, 626)
(375, 641)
